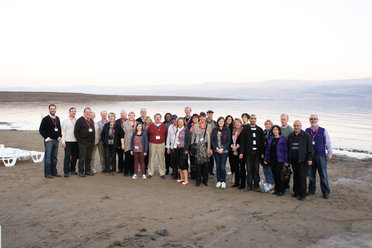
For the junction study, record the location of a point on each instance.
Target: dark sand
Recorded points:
(9, 96)
(109, 211)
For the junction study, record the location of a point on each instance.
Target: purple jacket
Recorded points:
(281, 150)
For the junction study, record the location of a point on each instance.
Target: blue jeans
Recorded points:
(221, 166)
(267, 169)
(51, 154)
(320, 165)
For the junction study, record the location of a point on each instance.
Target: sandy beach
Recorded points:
(114, 211)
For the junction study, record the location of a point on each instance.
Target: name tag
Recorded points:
(201, 139)
(90, 130)
(254, 142)
(158, 137)
(110, 141)
(254, 135)
(313, 142)
(136, 147)
(56, 129)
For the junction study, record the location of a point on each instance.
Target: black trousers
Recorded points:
(202, 173)
(174, 164)
(168, 161)
(276, 168)
(85, 156)
(110, 158)
(71, 156)
(120, 153)
(211, 164)
(128, 163)
(232, 166)
(253, 173)
(299, 178)
(239, 166)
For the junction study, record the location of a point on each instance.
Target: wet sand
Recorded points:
(110, 211)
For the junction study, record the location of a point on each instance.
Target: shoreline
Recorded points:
(24, 96)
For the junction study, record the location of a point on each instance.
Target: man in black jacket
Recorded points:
(300, 150)
(50, 129)
(85, 135)
(252, 150)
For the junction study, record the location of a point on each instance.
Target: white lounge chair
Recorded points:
(9, 156)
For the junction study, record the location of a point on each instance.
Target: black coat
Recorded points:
(246, 141)
(82, 133)
(305, 151)
(119, 134)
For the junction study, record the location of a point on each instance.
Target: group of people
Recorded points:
(193, 143)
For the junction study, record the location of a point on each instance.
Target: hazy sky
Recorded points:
(62, 43)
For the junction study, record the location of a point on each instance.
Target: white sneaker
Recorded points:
(134, 176)
(94, 171)
(223, 185)
(218, 184)
(144, 177)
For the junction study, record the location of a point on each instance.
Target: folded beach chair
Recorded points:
(9, 156)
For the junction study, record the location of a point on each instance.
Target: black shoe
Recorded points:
(279, 193)
(206, 184)
(257, 189)
(302, 198)
(49, 176)
(66, 175)
(325, 196)
(235, 185)
(211, 173)
(149, 176)
(57, 175)
(73, 173)
(294, 195)
(81, 174)
(167, 172)
(163, 177)
(197, 184)
(126, 174)
(120, 171)
(310, 193)
(241, 187)
(90, 174)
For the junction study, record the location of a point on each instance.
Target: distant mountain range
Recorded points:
(349, 89)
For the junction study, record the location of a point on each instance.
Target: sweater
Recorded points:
(145, 142)
(82, 133)
(48, 127)
(119, 134)
(153, 131)
(247, 140)
(281, 150)
(68, 127)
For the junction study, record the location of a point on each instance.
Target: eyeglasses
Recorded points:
(313, 119)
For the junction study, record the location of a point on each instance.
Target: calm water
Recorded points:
(348, 122)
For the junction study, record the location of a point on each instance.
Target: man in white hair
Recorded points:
(321, 145)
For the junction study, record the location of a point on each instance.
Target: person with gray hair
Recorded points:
(143, 115)
(300, 152)
(321, 145)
